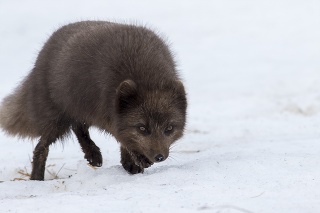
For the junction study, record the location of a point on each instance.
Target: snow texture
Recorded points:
(252, 73)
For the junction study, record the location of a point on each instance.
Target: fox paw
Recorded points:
(94, 156)
(136, 164)
(132, 168)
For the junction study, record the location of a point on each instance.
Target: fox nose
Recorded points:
(159, 158)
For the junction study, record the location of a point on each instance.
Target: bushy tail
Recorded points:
(14, 117)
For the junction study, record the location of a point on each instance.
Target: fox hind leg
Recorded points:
(40, 155)
(52, 131)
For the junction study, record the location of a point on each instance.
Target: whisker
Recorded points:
(170, 157)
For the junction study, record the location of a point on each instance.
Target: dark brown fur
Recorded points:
(119, 78)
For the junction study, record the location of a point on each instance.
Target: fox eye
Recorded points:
(168, 130)
(143, 129)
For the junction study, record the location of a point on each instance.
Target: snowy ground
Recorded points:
(252, 72)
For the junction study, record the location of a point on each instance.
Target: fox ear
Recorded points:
(181, 96)
(126, 88)
(180, 87)
(126, 92)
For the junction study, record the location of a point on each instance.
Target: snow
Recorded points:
(252, 73)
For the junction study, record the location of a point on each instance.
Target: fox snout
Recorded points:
(158, 158)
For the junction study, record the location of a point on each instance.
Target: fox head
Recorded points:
(149, 121)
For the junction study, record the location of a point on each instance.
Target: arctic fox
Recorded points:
(119, 78)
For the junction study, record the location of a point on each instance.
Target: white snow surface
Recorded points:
(252, 143)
